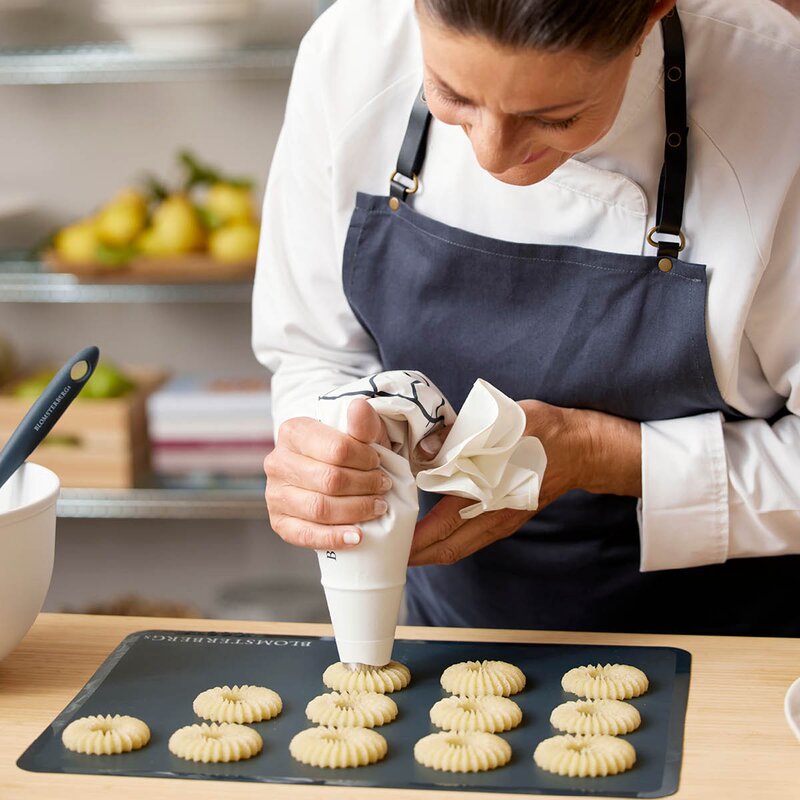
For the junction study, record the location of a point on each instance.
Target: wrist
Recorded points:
(610, 454)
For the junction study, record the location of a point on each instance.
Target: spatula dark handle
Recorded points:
(47, 410)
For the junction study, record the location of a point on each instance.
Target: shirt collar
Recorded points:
(644, 79)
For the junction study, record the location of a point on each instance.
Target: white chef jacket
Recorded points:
(711, 489)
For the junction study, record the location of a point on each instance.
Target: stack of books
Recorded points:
(204, 427)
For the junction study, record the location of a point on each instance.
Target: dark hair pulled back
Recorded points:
(603, 27)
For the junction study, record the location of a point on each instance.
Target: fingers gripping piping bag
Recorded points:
(364, 586)
(485, 457)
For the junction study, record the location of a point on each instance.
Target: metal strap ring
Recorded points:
(674, 74)
(651, 241)
(674, 139)
(396, 175)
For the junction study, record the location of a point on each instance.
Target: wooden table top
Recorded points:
(737, 746)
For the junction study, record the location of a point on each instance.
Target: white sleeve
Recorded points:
(303, 329)
(713, 490)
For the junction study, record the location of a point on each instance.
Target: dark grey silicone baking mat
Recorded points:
(155, 675)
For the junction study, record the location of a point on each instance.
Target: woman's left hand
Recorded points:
(585, 450)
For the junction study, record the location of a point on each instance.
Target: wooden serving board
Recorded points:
(190, 268)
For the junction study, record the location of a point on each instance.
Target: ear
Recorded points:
(660, 9)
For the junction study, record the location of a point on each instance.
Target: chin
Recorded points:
(528, 174)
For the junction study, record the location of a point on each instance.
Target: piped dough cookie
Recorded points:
(490, 714)
(479, 678)
(105, 735)
(336, 748)
(585, 756)
(238, 704)
(214, 743)
(609, 717)
(467, 751)
(609, 682)
(390, 678)
(352, 709)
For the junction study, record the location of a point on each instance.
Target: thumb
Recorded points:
(365, 424)
(430, 446)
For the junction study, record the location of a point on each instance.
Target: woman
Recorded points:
(557, 225)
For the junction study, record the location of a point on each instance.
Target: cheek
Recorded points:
(581, 135)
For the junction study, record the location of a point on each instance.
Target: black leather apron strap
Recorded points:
(405, 179)
(672, 184)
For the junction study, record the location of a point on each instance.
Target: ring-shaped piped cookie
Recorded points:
(585, 756)
(609, 682)
(238, 704)
(609, 717)
(480, 678)
(214, 743)
(336, 748)
(390, 678)
(105, 735)
(466, 751)
(490, 714)
(352, 709)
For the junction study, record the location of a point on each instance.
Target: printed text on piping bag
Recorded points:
(485, 457)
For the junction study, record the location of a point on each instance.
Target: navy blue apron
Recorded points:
(575, 327)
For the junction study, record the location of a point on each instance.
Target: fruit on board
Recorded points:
(31, 387)
(106, 381)
(236, 241)
(77, 243)
(227, 202)
(123, 219)
(175, 229)
(8, 360)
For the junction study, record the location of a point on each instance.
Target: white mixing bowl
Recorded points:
(27, 547)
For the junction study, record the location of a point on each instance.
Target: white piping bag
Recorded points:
(364, 585)
(486, 457)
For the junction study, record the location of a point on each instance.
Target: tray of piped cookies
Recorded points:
(525, 718)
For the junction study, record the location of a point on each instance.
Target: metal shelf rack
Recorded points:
(25, 280)
(115, 62)
(164, 503)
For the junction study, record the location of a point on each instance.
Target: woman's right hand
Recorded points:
(321, 482)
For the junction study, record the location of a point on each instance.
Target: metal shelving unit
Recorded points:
(115, 62)
(26, 280)
(164, 503)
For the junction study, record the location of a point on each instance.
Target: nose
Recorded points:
(497, 142)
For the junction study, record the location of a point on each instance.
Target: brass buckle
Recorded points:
(393, 178)
(654, 243)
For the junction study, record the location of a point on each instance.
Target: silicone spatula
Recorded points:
(47, 410)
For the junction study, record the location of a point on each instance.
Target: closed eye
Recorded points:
(561, 124)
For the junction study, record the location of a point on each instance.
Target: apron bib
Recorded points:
(623, 334)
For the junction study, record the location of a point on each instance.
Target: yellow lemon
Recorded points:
(237, 241)
(120, 222)
(175, 228)
(77, 243)
(229, 203)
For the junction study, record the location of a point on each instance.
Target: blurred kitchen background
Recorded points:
(128, 132)
(97, 94)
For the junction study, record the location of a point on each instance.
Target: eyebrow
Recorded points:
(532, 112)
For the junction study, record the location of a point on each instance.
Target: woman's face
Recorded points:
(525, 111)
